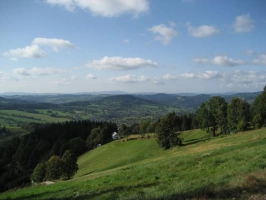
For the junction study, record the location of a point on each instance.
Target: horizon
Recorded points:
(121, 93)
(182, 46)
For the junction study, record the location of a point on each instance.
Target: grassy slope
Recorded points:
(230, 166)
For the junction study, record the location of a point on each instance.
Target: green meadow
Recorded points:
(223, 167)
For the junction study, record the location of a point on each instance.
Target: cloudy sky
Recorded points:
(71, 46)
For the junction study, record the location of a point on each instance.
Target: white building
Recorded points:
(115, 136)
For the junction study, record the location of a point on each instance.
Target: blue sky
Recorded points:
(71, 46)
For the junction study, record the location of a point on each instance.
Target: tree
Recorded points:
(166, 129)
(78, 146)
(94, 138)
(238, 115)
(70, 164)
(54, 168)
(124, 130)
(212, 115)
(259, 110)
(39, 173)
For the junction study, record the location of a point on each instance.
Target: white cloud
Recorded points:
(21, 71)
(243, 23)
(105, 8)
(201, 60)
(169, 77)
(220, 60)
(90, 76)
(37, 71)
(130, 79)
(235, 79)
(194, 75)
(163, 33)
(202, 31)
(32, 51)
(119, 63)
(261, 60)
(225, 61)
(54, 43)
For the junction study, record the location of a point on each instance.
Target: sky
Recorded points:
(136, 46)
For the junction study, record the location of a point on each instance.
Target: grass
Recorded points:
(224, 167)
(13, 118)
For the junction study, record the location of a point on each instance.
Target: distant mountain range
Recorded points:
(188, 101)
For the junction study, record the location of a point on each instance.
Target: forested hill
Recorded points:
(22, 104)
(20, 155)
(58, 98)
(5, 101)
(177, 100)
(127, 100)
(192, 102)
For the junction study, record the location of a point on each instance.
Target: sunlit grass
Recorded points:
(229, 166)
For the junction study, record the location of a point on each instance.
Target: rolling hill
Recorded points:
(224, 167)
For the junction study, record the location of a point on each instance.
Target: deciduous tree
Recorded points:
(166, 129)
(54, 168)
(70, 164)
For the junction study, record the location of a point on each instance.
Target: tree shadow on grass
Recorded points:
(195, 141)
(111, 192)
(253, 188)
(89, 172)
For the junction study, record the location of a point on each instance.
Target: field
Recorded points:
(224, 167)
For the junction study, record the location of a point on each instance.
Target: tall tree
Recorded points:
(212, 115)
(70, 164)
(238, 115)
(259, 110)
(54, 168)
(166, 129)
(39, 173)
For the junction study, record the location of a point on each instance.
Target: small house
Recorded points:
(115, 136)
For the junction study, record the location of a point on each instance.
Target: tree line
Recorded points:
(20, 156)
(216, 116)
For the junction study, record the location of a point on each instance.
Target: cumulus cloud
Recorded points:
(163, 33)
(54, 43)
(37, 71)
(32, 51)
(105, 8)
(235, 79)
(243, 23)
(130, 79)
(90, 76)
(119, 63)
(202, 31)
(260, 60)
(244, 79)
(220, 60)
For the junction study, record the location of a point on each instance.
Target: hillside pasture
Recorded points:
(224, 167)
(14, 118)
